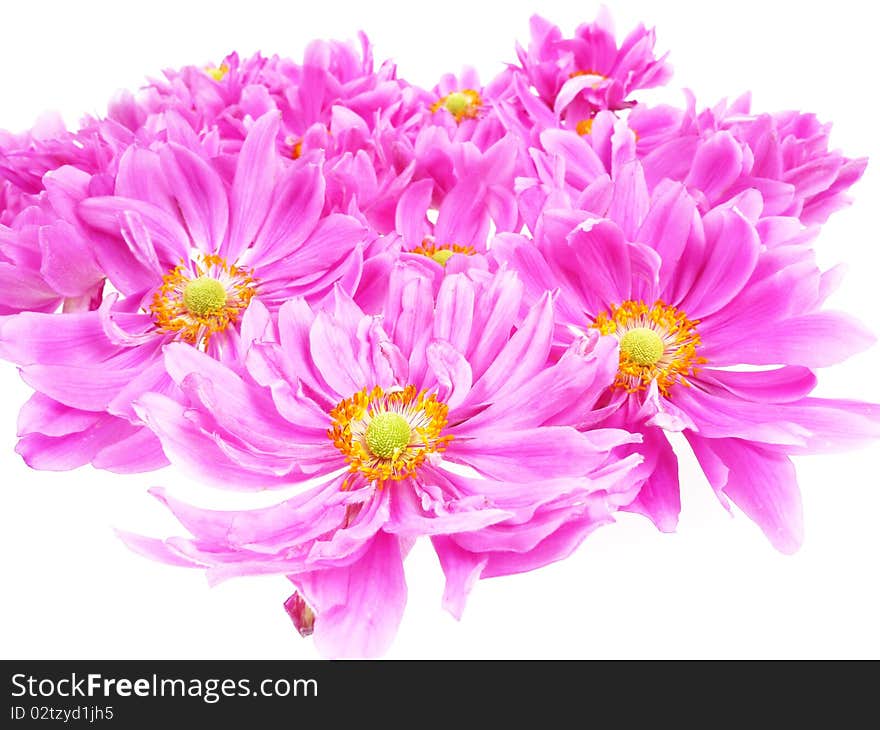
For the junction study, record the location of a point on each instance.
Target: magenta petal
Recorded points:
(200, 193)
(780, 385)
(462, 569)
(296, 207)
(358, 608)
(136, 454)
(452, 371)
(140, 178)
(717, 164)
(813, 340)
(195, 451)
(333, 354)
(558, 543)
(62, 453)
(454, 318)
(659, 498)
(762, 484)
(252, 186)
(526, 455)
(51, 418)
(523, 356)
(582, 165)
(418, 510)
(410, 219)
(730, 257)
(463, 217)
(667, 226)
(164, 234)
(68, 265)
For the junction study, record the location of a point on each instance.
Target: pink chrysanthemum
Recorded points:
(690, 300)
(186, 254)
(589, 72)
(384, 413)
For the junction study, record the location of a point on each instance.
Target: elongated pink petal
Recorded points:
(201, 195)
(762, 484)
(358, 608)
(253, 184)
(296, 207)
(526, 455)
(68, 265)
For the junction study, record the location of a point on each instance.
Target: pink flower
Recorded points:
(384, 413)
(724, 150)
(588, 72)
(186, 253)
(689, 299)
(480, 202)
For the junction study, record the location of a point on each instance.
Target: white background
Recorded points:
(715, 589)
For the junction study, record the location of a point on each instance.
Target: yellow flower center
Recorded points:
(200, 298)
(657, 343)
(441, 256)
(464, 104)
(442, 253)
(386, 436)
(456, 103)
(217, 72)
(204, 296)
(642, 345)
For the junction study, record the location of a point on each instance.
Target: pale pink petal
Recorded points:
(68, 265)
(462, 569)
(358, 608)
(762, 484)
(199, 193)
(253, 184)
(296, 207)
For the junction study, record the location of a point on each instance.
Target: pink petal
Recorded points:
(462, 570)
(253, 184)
(68, 265)
(358, 608)
(199, 193)
(716, 166)
(730, 257)
(525, 455)
(813, 340)
(296, 207)
(762, 484)
(659, 498)
(409, 219)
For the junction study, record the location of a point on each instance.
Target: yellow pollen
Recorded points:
(297, 150)
(657, 343)
(442, 253)
(204, 296)
(199, 298)
(217, 73)
(584, 127)
(464, 104)
(642, 346)
(456, 103)
(387, 435)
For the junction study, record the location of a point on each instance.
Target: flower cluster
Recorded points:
(472, 313)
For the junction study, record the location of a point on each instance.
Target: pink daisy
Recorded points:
(186, 254)
(589, 72)
(383, 414)
(719, 326)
